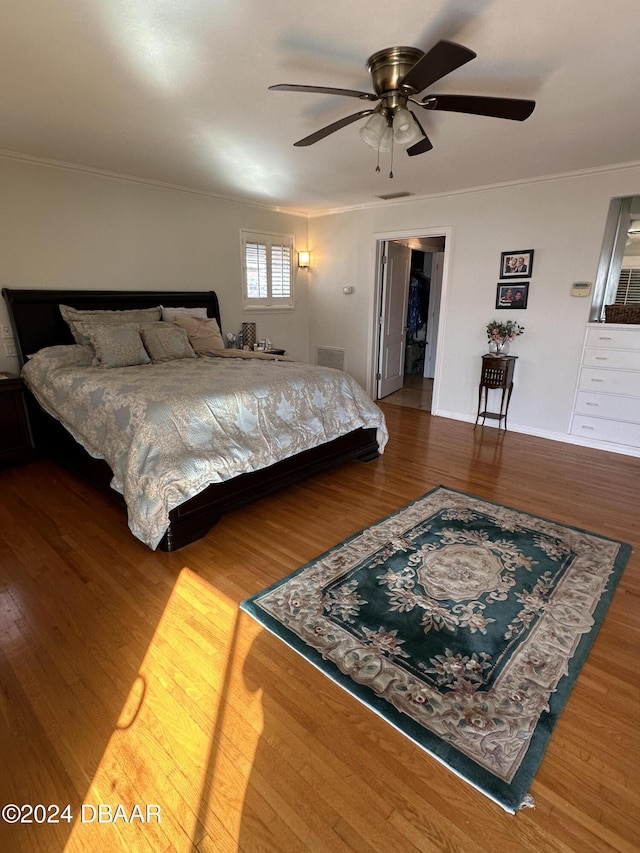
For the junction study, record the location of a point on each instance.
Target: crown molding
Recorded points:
(305, 212)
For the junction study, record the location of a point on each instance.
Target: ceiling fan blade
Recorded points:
(420, 147)
(511, 108)
(425, 143)
(442, 59)
(331, 128)
(324, 90)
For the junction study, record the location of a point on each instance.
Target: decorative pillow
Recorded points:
(73, 316)
(115, 346)
(170, 314)
(166, 342)
(64, 355)
(204, 334)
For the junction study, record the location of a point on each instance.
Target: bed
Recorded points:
(39, 328)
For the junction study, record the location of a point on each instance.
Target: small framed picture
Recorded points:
(512, 295)
(516, 264)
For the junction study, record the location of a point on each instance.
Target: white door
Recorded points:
(435, 292)
(393, 318)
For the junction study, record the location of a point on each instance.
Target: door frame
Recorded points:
(374, 329)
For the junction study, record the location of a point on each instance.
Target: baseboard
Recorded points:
(608, 446)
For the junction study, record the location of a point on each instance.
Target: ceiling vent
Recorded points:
(402, 194)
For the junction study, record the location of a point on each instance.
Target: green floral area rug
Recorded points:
(461, 622)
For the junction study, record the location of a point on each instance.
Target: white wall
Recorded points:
(562, 220)
(69, 229)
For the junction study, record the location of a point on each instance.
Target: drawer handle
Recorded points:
(604, 339)
(597, 380)
(593, 404)
(601, 358)
(588, 427)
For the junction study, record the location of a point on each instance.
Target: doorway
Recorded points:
(409, 288)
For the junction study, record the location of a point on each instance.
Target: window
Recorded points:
(267, 270)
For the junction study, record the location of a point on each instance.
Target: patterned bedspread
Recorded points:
(170, 430)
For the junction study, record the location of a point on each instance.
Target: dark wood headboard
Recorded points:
(36, 320)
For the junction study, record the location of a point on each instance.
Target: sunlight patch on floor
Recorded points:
(171, 753)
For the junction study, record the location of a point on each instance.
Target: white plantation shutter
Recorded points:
(256, 267)
(268, 278)
(280, 272)
(628, 292)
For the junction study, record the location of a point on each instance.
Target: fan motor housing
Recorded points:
(388, 68)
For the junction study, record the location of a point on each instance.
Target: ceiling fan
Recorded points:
(399, 75)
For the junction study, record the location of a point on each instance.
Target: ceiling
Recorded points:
(176, 92)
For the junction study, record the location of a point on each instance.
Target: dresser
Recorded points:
(607, 402)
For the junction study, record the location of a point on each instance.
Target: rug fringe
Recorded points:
(527, 803)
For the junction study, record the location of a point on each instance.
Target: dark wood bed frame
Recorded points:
(36, 322)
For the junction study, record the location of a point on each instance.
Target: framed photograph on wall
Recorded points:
(516, 264)
(512, 295)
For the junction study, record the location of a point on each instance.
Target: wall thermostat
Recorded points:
(581, 288)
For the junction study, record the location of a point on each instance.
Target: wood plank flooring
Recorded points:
(416, 393)
(130, 677)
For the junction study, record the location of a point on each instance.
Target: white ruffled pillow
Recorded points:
(170, 314)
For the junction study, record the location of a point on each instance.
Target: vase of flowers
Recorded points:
(500, 334)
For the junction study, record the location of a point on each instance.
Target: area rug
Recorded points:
(461, 622)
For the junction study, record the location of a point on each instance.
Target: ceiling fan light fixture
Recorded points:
(402, 120)
(405, 128)
(398, 76)
(373, 131)
(386, 141)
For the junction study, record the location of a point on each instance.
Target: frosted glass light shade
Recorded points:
(405, 128)
(402, 121)
(386, 141)
(373, 130)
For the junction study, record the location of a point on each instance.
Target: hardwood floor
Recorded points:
(416, 393)
(131, 677)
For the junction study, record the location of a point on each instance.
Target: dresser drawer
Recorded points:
(598, 429)
(614, 338)
(625, 359)
(608, 406)
(609, 381)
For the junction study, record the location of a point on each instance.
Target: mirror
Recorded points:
(618, 279)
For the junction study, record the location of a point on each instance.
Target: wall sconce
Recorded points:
(303, 259)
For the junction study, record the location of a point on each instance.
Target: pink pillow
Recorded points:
(204, 335)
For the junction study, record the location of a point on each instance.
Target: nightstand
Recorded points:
(15, 435)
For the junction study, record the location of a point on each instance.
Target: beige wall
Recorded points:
(63, 228)
(69, 229)
(562, 219)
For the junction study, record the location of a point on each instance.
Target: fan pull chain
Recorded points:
(391, 166)
(378, 163)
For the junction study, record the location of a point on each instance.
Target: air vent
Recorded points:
(402, 194)
(331, 357)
